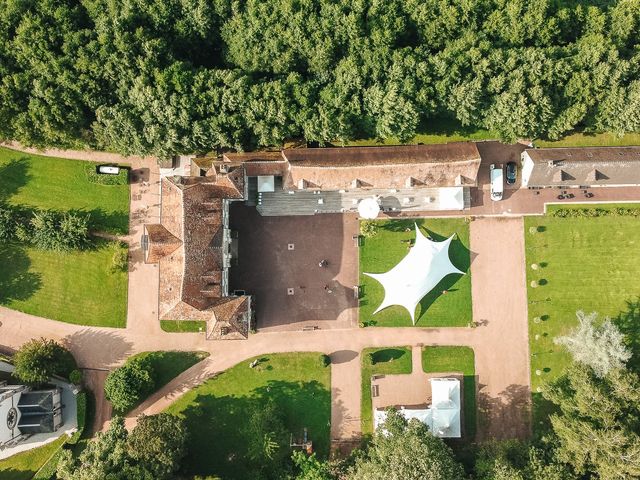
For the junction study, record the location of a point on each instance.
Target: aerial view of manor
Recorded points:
(319, 240)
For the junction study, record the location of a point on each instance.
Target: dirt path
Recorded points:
(500, 300)
(94, 381)
(345, 399)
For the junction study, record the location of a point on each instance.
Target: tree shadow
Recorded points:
(628, 321)
(98, 348)
(505, 416)
(218, 442)
(17, 283)
(14, 175)
(101, 220)
(388, 355)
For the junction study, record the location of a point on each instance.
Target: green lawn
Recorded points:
(215, 412)
(178, 326)
(23, 466)
(591, 140)
(34, 181)
(382, 252)
(75, 287)
(168, 365)
(456, 359)
(588, 264)
(377, 361)
(442, 130)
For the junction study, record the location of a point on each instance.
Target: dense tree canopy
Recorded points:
(168, 76)
(39, 359)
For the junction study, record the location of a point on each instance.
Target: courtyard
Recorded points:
(278, 263)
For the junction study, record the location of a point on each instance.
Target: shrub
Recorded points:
(120, 260)
(128, 384)
(81, 413)
(38, 360)
(7, 223)
(61, 232)
(75, 377)
(368, 228)
(596, 212)
(325, 360)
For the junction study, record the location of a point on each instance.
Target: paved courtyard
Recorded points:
(278, 263)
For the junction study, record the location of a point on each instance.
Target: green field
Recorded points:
(75, 287)
(456, 359)
(23, 466)
(216, 411)
(34, 181)
(383, 251)
(79, 286)
(588, 264)
(379, 361)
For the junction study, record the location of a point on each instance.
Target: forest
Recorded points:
(164, 77)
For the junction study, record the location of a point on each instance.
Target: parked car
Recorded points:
(108, 170)
(497, 185)
(512, 173)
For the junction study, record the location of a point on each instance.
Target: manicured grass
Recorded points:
(386, 361)
(23, 466)
(588, 264)
(591, 140)
(75, 287)
(216, 411)
(176, 326)
(441, 130)
(438, 359)
(34, 181)
(168, 365)
(383, 251)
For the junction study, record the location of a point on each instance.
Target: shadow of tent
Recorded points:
(98, 348)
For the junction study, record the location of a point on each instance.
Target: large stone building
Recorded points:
(194, 248)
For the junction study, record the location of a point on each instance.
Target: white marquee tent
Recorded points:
(416, 275)
(442, 417)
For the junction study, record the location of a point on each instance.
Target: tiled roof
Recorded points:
(191, 274)
(585, 166)
(447, 165)
(161, 242)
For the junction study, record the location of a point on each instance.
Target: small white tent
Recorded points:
(369, 208)
(416, 275)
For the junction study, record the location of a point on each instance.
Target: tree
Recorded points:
(311, 468)
(402, 450)
(7, 223)
(128, 384)
(515, 460)
(109, 454)
(158, 444)
(39, 359)
(601, 347)
(268, 438)
(55, 231)
(599, 420)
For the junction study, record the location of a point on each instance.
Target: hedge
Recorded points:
(596, 212)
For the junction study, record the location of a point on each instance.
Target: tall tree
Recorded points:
(402, 450)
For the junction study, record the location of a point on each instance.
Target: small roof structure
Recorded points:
(266, 183)
(416, 275)
(368, 208)
(442, 417)
(451, 198)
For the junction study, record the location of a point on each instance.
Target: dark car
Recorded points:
(512, 173)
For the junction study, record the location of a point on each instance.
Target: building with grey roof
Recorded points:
(581, 167)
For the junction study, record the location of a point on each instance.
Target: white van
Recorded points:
(497, 182)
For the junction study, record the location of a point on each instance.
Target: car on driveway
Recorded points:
(108, 170)
(497, 186)
(512, 173)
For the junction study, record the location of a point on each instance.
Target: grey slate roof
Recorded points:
(587, 166)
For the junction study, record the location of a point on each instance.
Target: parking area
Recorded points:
(278, 262)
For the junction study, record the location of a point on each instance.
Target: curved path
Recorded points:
(499, 303)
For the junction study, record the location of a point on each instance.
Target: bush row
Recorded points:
(44, 229)
(596, 212)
